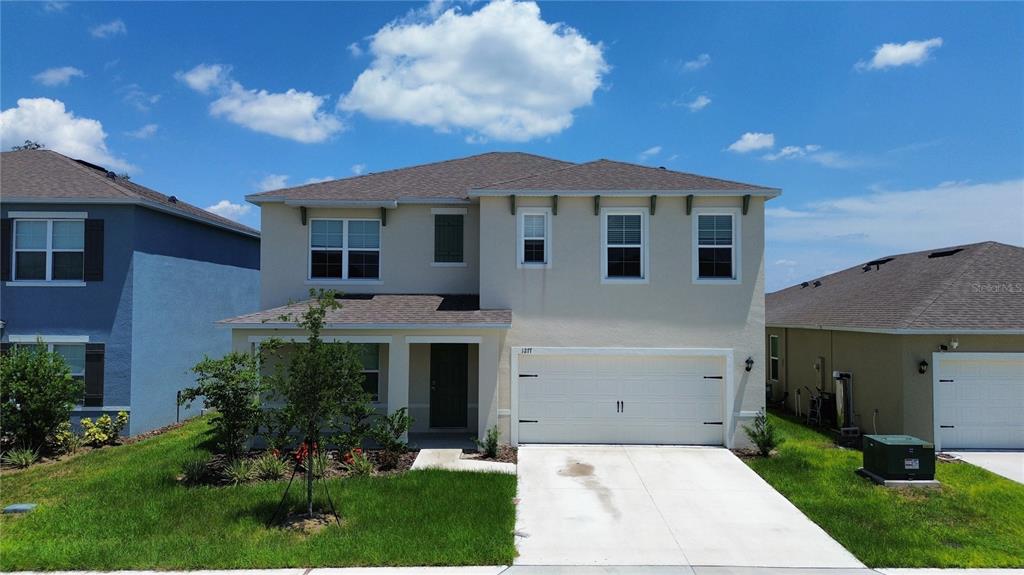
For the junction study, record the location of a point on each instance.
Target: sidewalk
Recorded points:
(556, 570)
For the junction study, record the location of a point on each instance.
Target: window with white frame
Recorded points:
(624, 244)
(49, 250)
(716, 246)
(344, 249)
(773, 357)
(534, 241)
(73, 354)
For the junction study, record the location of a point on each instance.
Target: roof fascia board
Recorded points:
(292, 325)
(903, 331)
(390, 204)
(130, 202)
(764, 192)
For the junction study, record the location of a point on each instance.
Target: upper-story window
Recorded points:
(716, 241)
(533, 242)
(624, 245)
(344, 249)
(49, 250)
(449, 234)
(773, 357)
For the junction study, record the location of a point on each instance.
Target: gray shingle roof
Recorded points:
(979, 287)
(450, 179)
(389, 310)
(44, 175)
(612, 175)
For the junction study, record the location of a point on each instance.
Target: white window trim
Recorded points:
(49, 251)
(521, 214)
(448, 212)
(49, 215)
(736, 246)
(49, 341)
(645, 268)
(775, 357)
(344, 279)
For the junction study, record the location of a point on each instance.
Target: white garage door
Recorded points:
(635, 399)
(980, 400)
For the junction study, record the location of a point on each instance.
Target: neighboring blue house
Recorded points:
(123, 281)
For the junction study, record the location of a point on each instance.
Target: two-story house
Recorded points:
(601, 302)
(125, 282)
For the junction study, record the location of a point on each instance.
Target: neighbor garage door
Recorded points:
(632, 397)
(980, 400)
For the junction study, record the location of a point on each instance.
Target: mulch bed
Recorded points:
(506, 454)
(218, 462)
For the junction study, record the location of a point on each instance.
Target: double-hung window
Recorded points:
(533, 244)
(346, 249)
(369, 353)
(773, 357)
(716, 249)
(449, 226)
(624, 245)
(49, 250)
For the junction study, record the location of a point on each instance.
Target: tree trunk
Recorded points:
(309, 477)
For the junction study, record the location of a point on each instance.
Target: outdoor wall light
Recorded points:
(922, 367)
(750, 363)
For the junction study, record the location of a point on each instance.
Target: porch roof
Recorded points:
(383, 311)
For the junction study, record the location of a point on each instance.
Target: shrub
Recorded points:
(238, 471)
(358, 463)
(66, 440)
(21, 458)
(763, 434)
(388, 432)
(321, 463)
(37, 394)
(269, 467)
(489, 446)
(231, 385)
(105, 430)
(195, 469)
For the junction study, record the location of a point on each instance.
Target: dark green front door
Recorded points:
(449, 382)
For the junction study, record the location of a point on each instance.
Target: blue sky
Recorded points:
(890, 127)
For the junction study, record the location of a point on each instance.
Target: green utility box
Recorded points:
(899, 457)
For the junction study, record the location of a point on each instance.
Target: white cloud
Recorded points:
(48, 122)
(890, 55)
(650, 152)
(698, 103)
(58, 76)
(229, 210)
(355, 50)
(293, 115)
(112, 28)
(272, 182)
(142, 100)
(358, 169)
(319, 180)
(54, 6)
(751, 141)
(790, 152)
(829, 235)
(814, 153)
(143, 133)
(697, 63)
(501, 72)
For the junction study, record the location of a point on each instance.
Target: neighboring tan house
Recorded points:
(933, 343)
(124, 282)
(600, 302)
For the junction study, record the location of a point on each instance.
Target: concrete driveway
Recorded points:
(624, 505)
(1009, 464)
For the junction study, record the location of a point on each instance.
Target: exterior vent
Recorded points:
(804, 284)
(172, 199)
(817, 283)
(877, 263)
(945, 253)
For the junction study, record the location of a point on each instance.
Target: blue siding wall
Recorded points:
(167, 235)
(101, 310)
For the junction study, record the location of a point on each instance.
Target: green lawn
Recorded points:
(121, 508)
(976, 520)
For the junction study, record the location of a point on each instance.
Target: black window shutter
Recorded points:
(94, 353)
(6, 231)
(5, 348)
(93, 250)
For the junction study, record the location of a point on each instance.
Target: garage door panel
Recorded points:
(980, 401)
(665, 399)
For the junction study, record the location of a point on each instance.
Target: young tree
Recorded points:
(232, 385)
(28, 145)
(322, 382)
(37, 394)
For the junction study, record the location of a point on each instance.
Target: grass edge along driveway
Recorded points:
(121, 508)
(975, 520)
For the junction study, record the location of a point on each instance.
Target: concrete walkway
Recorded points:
(554, 570)
(680, 506)
(1009, 464)
(451, 459)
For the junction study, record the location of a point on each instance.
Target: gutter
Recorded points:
(760, 192)
(411, 326)
(903, 331)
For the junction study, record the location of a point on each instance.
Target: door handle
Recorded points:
(433, 386)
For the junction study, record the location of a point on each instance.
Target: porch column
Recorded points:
(487, 400)
(398, 374)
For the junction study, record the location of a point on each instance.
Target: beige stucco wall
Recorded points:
(407, 252)
(567, 305)
(885, 372)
